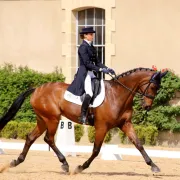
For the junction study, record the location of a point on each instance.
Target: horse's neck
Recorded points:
(116, 91)
(135, 79)
(131, 84)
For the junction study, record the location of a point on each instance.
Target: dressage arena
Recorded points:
(43, 165)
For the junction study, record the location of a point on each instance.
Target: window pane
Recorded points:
(103, 16)
(79, 39)
(99, 53)
(81, 17)
(103, 35)
(98, 16)
(98, 39)
(103, 60)
(93, 17)
(90, 16)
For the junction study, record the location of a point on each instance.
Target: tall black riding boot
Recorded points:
(84, 109)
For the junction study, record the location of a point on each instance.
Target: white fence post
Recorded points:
(109, 152)
(65, 137)
(1, 149)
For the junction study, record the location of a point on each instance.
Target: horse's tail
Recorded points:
(15, 107)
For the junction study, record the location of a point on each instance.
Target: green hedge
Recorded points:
(16, 130)
(19, 130)
(91, 135)
(78, 131)
(15, 80)
(146, 134)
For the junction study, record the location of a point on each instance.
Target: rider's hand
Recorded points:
(104, 70)
(111, 71)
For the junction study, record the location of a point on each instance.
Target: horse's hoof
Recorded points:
(65, 168)
(155, 169)
(13, 163)
(78, 169)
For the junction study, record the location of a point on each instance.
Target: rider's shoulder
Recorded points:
(83, 46)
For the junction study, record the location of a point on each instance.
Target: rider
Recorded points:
(89, 62)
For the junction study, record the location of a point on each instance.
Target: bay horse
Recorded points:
(115, 111)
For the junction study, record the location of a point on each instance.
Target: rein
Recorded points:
(137, 92)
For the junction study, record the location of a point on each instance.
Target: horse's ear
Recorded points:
(163, 74)
(157, 76)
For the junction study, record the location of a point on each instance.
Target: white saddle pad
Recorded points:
(77, 99)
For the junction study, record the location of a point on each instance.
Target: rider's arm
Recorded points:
(99, 64)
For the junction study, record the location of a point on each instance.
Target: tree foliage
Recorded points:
(15, 80)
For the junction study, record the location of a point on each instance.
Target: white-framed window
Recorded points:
(94, 17)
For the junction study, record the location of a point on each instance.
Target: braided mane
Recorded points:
(133, 70)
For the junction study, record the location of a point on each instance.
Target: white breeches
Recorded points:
(87, 83)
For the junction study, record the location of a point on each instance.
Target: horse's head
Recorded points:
(149, 89)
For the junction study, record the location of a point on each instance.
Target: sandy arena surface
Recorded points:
(44, 165)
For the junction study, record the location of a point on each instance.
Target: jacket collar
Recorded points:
(85, 42)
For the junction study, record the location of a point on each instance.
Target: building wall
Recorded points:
(42, 34)
(30, 34)
(146, 34)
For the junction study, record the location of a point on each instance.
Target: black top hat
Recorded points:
(87, 30)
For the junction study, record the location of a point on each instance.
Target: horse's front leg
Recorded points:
(99, 138)
(128, 129)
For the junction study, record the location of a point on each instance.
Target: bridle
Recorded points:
(141, 93)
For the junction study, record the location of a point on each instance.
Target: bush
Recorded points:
(147, 135)
(123, 137)
(19, 130)
(24, 128)
(10, 130)
(15, 80)
(108, 137)
(79, 132)
(151, 134)
(140, 133)
(16, 130)
(91, 135)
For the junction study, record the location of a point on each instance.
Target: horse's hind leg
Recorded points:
(128, 129)
(31, 137)
(49, 139)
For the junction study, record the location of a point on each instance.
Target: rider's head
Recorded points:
(87, 33)
(88, 36)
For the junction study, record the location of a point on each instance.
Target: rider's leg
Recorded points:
(87, 84)
(87, 99)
